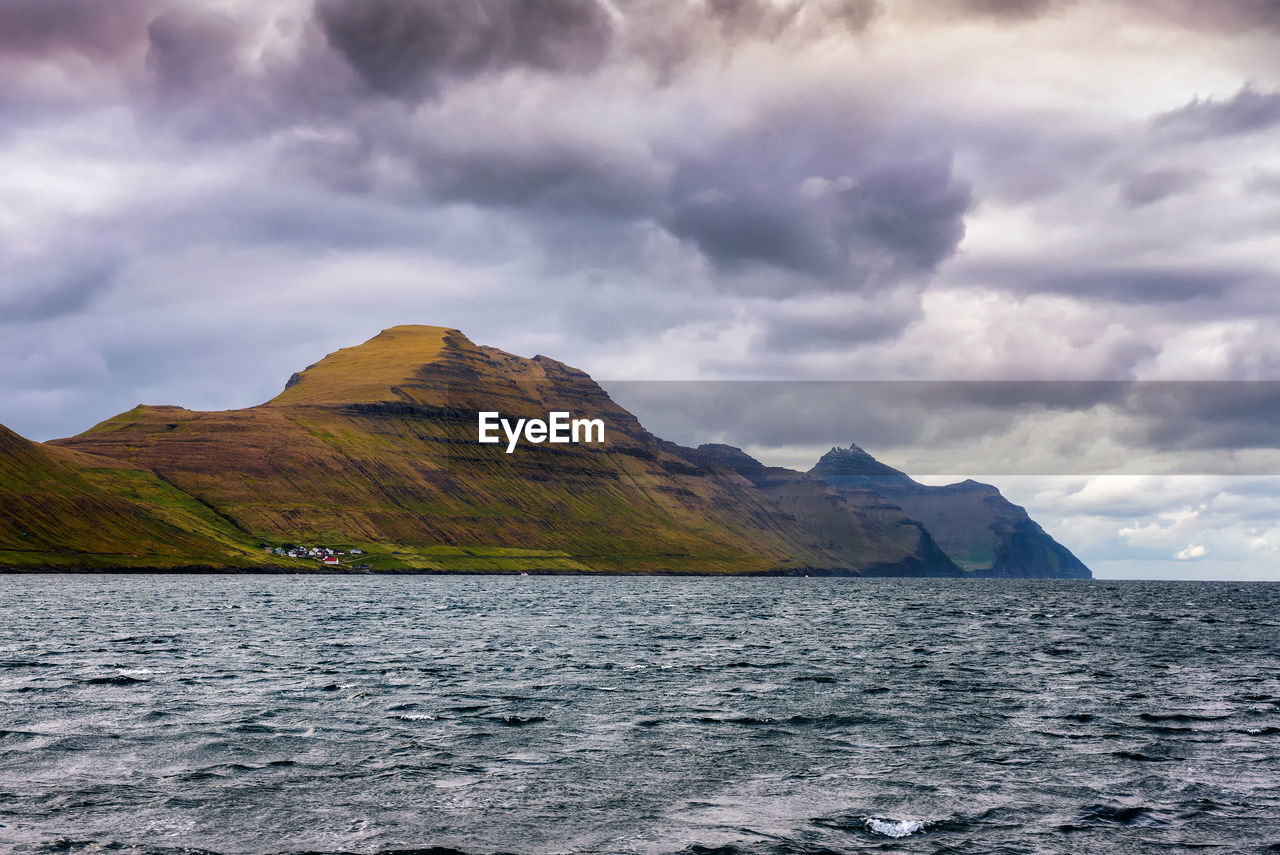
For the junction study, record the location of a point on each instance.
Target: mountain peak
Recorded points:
(373, 371)
(853, 462)
(731, 456)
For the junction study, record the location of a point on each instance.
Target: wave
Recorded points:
(894, 827)
(115, 680)
(1156, 717)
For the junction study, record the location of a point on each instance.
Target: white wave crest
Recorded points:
(894, 827)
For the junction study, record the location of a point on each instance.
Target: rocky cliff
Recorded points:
(978, 528)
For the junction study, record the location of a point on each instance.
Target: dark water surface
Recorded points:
(651, 715)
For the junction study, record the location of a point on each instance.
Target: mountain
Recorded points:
(373, 452)
(62, 509)
(978, 528)
(859, 526)
(375, 447)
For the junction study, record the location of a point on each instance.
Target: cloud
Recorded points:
(1009, 9)
(198, 198)
(1153, 284)
(1151, 186)
(414, 47)
(823, 202)
(1248, 111)
(46, 291)
(192, 52)
(1230, 16)
(38, 29)
(1191, 552)
(992, 428)
(837, 322)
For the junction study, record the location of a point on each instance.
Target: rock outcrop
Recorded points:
(979, 529)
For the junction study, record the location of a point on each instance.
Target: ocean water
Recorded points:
(637, 715)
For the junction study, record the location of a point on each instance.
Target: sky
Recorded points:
(1072, 206)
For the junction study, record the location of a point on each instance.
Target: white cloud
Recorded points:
(1191, 552)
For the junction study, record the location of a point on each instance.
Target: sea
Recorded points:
(706, 716)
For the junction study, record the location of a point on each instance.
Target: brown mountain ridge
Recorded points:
(374, 448)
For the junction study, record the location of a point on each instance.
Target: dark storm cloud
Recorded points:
(751, 16)
(193, 54)
(1220, 415)
(91, 28)
(1248, 111)
(565, 175)
(742, 226)
(819, 201)
(413, 47)
(799, 192)
(59, 57)
(830, 213)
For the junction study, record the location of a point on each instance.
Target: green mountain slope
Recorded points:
(375, 446)
(60, 508)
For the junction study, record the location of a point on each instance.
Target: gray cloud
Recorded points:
(840, 332)
(825, 202)
(1139, 285)
(38, 28)
(1267, 183)
(752, 16)
(193, 53)
(413, 47)
(1123, 284)
(1012, 9)
(46, 289)
(1248, 111)
(1151, 186)
(571, 175)
(1155, 422)
(1230, 16)
(1219, 415)
(799, 192)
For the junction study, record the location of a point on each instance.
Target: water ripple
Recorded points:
(538, 715)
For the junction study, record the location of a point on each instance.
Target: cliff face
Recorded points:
(376, 445)
(978, 528)
(859, 526)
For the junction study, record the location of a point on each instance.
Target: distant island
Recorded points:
(368, 461)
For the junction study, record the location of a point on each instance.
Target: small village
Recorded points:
(332, 557)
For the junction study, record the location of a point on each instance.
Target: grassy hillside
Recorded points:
(376, 445)
(63, 509)
(374, 448)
